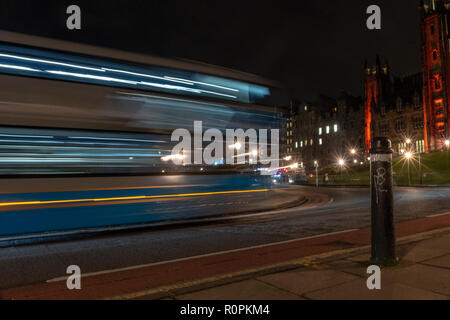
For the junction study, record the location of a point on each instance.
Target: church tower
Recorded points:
(434, 15)
(376, 81)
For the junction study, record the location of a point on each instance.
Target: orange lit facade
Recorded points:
(435, 71)
(417, 106)
(376, 88)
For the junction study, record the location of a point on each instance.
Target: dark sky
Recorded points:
(311, 46)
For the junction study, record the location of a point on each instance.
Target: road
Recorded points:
(349, 209)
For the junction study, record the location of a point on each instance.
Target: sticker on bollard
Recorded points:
(382, 203)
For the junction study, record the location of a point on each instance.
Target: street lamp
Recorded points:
(447, 143)
(341, 163)
(408, 141)
(316, 165)
(408, 157)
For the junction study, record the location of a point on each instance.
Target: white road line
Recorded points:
(438, 215)
(200, 256)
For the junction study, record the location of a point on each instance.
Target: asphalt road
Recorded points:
(349, 209)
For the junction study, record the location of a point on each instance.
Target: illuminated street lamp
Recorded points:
(341, 163)
(316, 165)
(353, 151)
(408, 157)
(288, 158)
(408, 141)
(447, 143)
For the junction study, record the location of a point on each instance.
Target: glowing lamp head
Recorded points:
(408, 141)
(447, 143)
(341, 162)
(353, 151)
(408, 155)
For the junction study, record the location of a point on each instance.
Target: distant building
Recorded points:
(393, 108)
(329, 130)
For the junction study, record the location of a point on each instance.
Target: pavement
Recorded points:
(331, 266)
(422, 274)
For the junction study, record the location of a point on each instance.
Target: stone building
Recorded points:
(329, 130)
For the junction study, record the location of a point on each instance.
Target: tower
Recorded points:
(434, 15)
(376, 86)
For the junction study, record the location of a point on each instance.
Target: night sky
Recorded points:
(311, 46)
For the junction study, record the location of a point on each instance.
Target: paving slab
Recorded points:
(347, 266)
(302, 281)
(357, 290)
(443, 262)
(418, 276)
(244, 290)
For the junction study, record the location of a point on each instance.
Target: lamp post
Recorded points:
(341, 163)
(316, 165)
(408, 156)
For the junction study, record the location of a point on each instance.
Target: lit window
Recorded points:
(301, 144)
(335, 128)
(320, 141)
(320, 131)
(312, 141)
(296, 145)
(328, 129)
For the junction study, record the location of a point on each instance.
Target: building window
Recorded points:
(320, 131)
(418, 123)
(328, 129)
(402, 148)
(296, 145)
(435, 55)
(335, 128)
(301, 144)
(420, 146)
(384, 129)
(320, 141)
(399, 105)
(312, 141)
(437, 82)
(417, 104)
(400, 125)
(432, 29)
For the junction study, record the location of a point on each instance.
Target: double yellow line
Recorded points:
(9, 204)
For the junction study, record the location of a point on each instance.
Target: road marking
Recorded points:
(439, 215)
(5, 204)
(110, 189)
(201, 256)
